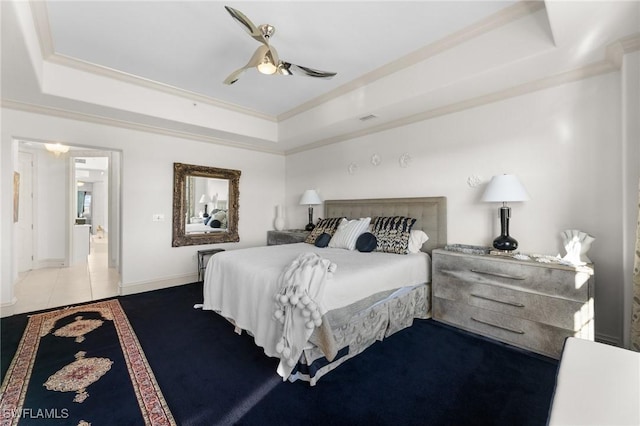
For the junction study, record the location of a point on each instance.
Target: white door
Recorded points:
(25, 212)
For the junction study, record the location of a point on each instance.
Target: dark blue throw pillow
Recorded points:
(366, 242)
(215, 223)
(323, 240)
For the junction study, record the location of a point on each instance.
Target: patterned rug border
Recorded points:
(13, 391)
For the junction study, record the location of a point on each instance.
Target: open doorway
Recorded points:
(75, 227)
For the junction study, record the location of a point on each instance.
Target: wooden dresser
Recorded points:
(525, 303)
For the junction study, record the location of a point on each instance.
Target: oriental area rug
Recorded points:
(81, 365)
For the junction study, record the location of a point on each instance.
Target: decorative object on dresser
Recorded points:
(503, 189)
(310, 198)
(525, 303)
(289, 236)
(278, 224)
(577, 244)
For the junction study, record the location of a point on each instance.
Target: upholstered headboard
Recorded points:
(430, 214)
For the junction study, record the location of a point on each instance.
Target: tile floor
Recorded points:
(54, 287)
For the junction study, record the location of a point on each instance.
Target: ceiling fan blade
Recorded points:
(254, 61)
(287, 68)
(246, 23)
(275, 59)
(234, 76)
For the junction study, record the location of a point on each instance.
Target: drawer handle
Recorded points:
(497, 274)
(504, 302)
(498, 326)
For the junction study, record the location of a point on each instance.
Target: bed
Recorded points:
(199, 228)
(597, 384)
(365, 298)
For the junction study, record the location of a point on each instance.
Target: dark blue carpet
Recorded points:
(429, 374)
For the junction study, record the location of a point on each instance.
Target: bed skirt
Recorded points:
(353, 333)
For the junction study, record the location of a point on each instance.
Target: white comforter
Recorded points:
(241, 284)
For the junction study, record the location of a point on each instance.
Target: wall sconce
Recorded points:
(310, 198)
(502, 189)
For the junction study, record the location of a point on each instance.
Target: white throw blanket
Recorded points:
(298, 305)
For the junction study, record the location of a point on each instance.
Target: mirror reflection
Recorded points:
(206, 201)
(205, 205)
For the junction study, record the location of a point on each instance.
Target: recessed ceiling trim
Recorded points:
(40, 15)
(72, 115)
(154, 85)
(43, 29)
(591, 70)
(490, 23)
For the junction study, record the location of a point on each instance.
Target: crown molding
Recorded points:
(615, 51)
(43, 29)
(490, 23)
(591, 70)
(90, 118)
(498, 19)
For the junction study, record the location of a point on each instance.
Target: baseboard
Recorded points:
(609, 340)
(144, 286)
(8, 309)
(49, 263)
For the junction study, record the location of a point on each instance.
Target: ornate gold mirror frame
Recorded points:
(182, 174)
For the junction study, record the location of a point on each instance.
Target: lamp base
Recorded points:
(309, 227)
(505, 243)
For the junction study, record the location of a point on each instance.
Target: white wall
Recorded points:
(564, 144)
(149, 261)
(630, 174)
(50, 198)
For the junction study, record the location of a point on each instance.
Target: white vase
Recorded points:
(278, 224)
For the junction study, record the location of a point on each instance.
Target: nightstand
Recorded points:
(288, 236)
(203, 257)
(524, 303)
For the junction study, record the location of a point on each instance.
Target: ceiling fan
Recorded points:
(266, 58)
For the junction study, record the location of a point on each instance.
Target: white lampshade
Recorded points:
(504, 188)
(310, 198)
(204, 199)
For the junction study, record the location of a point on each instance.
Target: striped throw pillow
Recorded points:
(348, 232)
(392, 233)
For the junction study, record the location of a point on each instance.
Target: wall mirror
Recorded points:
(205, 205)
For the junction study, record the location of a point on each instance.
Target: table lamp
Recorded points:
(204, 199)
(310, 198)
(503, 189)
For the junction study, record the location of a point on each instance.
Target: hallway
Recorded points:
(54, 287)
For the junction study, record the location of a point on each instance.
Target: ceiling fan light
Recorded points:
(267, 67)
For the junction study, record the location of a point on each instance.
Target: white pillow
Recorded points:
(348, 232)
(416, 239)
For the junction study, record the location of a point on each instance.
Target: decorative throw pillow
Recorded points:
(220, 216)
(392, 233)
(366, 242)
(328, 225)
(215, 223)
(348, 232)
(323, 240)
(417, 238)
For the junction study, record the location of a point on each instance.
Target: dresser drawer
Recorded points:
(567, 283)
(553, 311)
(534, 336)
